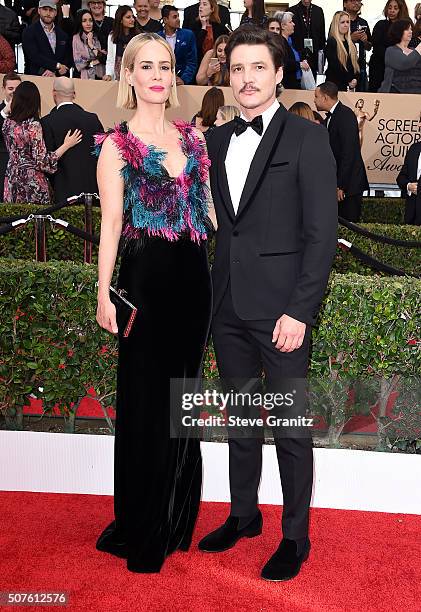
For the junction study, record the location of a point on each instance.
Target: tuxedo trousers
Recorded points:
(350, 207)
(244, 349)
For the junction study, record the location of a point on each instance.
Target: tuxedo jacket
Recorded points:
(408, 174)
(76, 172)
(191, 13)
(38, 53)
(345, 142)
(277, 251)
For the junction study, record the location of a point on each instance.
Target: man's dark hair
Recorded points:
(26, 102)
(253, 35)
(329, 89)
(167, 9)
(10, 76)
(397, 29)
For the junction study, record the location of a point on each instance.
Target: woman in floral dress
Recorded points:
(29, 160)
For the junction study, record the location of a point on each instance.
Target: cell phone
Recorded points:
(214, 61)
(362, 27)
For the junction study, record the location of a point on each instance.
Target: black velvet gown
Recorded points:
(157, 479)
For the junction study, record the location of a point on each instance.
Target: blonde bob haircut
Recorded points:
(126, 97)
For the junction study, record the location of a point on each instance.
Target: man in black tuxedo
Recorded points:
(309, 35)
(191, 13)
(409, 180)
(47, 49)
(76, 172)
(10, 81)
(274, 188)
(345, 142)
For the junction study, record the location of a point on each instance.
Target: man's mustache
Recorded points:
(248, 88)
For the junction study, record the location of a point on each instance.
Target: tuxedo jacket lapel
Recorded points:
(222, 174)
(262, 156)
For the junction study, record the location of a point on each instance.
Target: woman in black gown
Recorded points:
(152, 176)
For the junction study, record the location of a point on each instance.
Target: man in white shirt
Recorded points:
(409, 180)
(273, 184)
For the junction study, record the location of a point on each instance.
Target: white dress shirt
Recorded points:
(241, 151)
(332, 110)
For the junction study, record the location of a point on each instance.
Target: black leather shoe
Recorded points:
(285, 563)
(227, 536)
(111, 542)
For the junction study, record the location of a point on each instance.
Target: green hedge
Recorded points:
(383, 210)
(403, 258)
(369, 328)
(61, 245)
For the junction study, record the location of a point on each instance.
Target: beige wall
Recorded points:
(386, 138)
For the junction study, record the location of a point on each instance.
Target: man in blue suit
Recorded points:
(47, 49)
(183, 43)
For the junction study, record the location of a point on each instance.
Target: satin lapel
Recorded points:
(263, 156)
(222, 173)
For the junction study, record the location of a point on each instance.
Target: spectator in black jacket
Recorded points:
(394, 10)
(293, 65)
(9, 26)
(69, 180)
(409, 180)
(47, 49)
(344, 138)
(341, 54)
(361, 37)
(309, 35)
(208, 27)
(103, 25)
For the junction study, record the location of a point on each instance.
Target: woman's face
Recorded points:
(392, 10)
(288, 27)
(248, 4)
(87, 23)
(205, 8)
(274, 26)
(220, 53)
(344, 25)
(219, 118)
(128, 20)
(407, 35)
(152, 74)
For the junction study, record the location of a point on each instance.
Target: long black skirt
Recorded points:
(157, 477)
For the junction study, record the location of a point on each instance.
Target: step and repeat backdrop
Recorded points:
(389, 123)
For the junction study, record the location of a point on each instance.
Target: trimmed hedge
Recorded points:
(403, 258)
(61, 245)
(383, 210)
(49, 339)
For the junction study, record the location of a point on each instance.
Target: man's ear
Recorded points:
(279, 75)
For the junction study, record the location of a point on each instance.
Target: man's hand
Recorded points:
(340, 194)
(357, 35)
(413, 188)
(48, 73)
(179, 81)
(288, 334)
(63, 70)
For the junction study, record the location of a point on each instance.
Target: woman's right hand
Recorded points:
(106, 315)
(71, 140)
(106, 77)
(213, 69)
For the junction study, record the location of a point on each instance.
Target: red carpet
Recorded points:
(360, 562)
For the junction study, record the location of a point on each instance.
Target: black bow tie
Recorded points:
(240, 125)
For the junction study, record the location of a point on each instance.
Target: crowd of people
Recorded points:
(58, 37)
